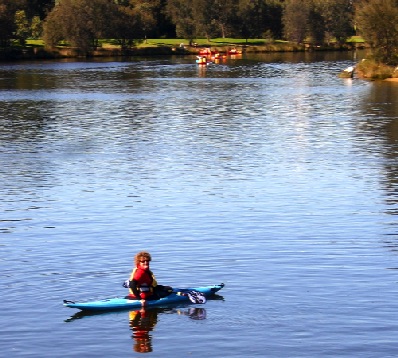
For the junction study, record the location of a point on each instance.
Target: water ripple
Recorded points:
(267, 173)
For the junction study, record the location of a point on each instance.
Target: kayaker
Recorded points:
(142, 281)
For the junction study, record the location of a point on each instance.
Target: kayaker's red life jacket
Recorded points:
(145, 282)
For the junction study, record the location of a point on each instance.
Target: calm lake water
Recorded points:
(268, 173)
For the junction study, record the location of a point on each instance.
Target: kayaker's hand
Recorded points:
(143, 303)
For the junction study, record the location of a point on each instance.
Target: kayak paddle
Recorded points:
(194, 296)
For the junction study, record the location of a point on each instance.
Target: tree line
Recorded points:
(82, 23)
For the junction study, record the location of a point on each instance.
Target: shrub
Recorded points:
(372, 69)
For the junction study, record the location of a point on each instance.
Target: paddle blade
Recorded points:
(196, 297)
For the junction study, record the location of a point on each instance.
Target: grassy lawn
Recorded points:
(200, 42)
(32, 42)
(225, 42)
(209, 43)
(355, 39)
(177, 42)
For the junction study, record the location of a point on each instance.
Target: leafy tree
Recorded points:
(23, 30)
(251, 15)
(377, 21)
(295, 20)
(340, 20)
(318, 20)
(80, 22)
(126, 26)
(53, 31)
(36, 27)
(273, 17)
(153, 15)
(316, 24)
(7, 25)
(144, 11)
(165, 28)
(257, 17)
(209, 18)
(225, 18)
(122, 2)
(39, 8)
(182, 15)
(335, 19)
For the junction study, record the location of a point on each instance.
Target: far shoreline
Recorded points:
(391, 79)
(13, 54)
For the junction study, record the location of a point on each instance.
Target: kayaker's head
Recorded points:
(142, 259)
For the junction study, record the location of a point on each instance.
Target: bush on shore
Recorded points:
(371, 69)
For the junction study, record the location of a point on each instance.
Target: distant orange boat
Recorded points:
(218, 56)
(234, 51)
(205, 52)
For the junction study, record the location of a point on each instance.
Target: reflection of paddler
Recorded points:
(141, 323)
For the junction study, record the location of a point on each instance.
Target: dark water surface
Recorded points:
(267, 173)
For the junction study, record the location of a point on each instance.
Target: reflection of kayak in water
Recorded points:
(177, 296)
(142, 321)
(195, 313)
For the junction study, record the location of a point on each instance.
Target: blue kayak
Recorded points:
(179, 295)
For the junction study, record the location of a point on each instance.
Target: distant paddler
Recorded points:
(201, 60)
